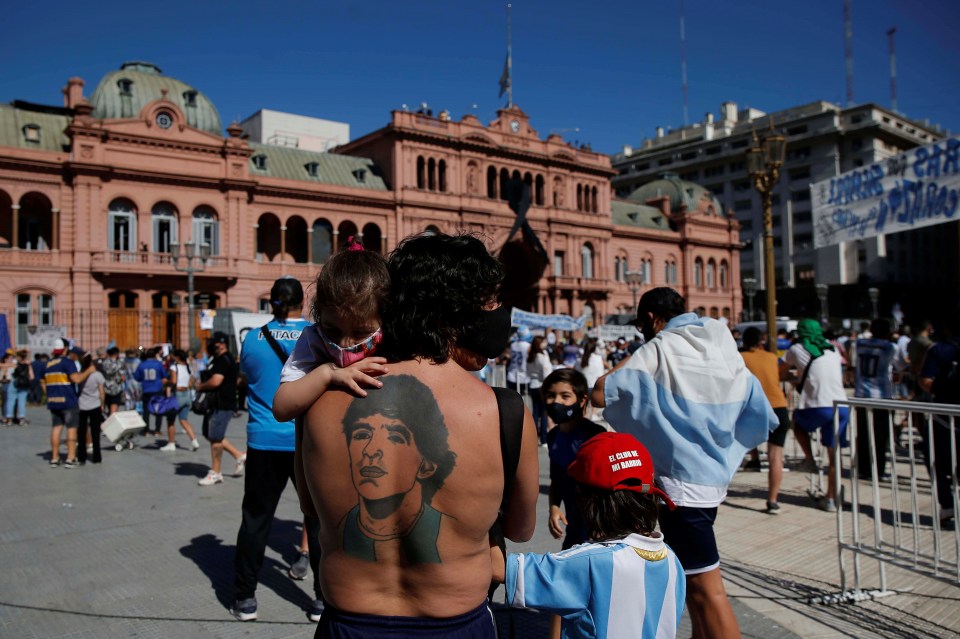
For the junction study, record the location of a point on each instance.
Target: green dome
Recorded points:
(682, 194)
(123, 93)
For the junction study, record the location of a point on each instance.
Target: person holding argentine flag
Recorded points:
(687, 395)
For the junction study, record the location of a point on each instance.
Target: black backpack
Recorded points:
(21, 377)
(946, 385)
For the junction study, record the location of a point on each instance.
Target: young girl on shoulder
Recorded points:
(335, 350)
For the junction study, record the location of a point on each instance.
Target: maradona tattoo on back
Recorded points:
(399, 457)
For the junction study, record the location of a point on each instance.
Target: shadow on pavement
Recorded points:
(215, 559)
(191, 469)
(796, 592)
(285, 538)
(216, 562)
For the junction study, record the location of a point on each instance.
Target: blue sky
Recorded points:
(611, 69)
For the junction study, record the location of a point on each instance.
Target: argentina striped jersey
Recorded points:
(630, 587)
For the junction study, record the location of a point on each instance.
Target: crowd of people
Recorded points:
(413, 474)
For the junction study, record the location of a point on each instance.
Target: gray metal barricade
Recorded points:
(896, 519)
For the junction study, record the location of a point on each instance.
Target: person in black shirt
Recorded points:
(221, 378)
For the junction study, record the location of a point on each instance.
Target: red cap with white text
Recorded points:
(616, 461)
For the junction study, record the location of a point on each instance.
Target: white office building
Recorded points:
(295, 131)
(823, 140)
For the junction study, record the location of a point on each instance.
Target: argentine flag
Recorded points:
(688, 397)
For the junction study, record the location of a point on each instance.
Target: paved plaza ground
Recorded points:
(134, 548)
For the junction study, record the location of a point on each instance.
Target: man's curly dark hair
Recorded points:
(439, 286)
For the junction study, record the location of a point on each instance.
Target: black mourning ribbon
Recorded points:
(519, 199)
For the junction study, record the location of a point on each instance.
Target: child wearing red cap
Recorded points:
(625, 582)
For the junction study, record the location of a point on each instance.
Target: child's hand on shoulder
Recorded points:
(360, 373)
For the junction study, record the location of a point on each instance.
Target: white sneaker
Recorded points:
(241, 464)
(211, 479)
(90, 449)
(169, 448)
(194, 445)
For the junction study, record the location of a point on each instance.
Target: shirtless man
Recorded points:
(407, 481)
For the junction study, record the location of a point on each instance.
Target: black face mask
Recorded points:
(212, 349)
(562, 413)
(492, 333)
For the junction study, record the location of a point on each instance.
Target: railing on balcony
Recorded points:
(132, 260)
(577, 283)
(29, 257)
(303, 271)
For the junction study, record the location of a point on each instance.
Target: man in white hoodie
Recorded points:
(687, 395)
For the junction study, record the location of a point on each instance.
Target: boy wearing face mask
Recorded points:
(565, 394)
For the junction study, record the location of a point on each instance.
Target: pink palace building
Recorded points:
(100, 196)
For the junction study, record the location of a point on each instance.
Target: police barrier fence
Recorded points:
(901, 493)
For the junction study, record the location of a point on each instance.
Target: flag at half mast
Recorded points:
(506, 78)
(506, 82)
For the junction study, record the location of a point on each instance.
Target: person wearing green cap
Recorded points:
(819, 383)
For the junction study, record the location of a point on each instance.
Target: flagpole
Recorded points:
(509, 59)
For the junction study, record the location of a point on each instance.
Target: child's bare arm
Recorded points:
(294, 398)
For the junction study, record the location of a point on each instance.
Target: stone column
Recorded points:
(55, 239)
(283, 242)
(310, 245)
(15, 239)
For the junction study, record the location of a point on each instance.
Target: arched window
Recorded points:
(579, 197)
(723, 275)
(35, 223)
(593, 199)
(295, 239)
(122, 222)
(711, 272)
(322, 241)
(268, 237)
(616, 268)
(164, 218)
(432, 174)
(491, 183)
(538, 191)
(504, 184)
(698, 273)
(206, 229)
(372, 238)
(345, 231)
(646, 270)
(421, 172)
(442, 176)
(586, 261)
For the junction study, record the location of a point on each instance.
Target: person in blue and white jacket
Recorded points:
(626, 582)
(687, 394)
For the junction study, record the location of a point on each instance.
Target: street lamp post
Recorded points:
(750, 289)
(764, 160)
(822, 290)
(634, 279)
(874, 294)
(190, 254)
